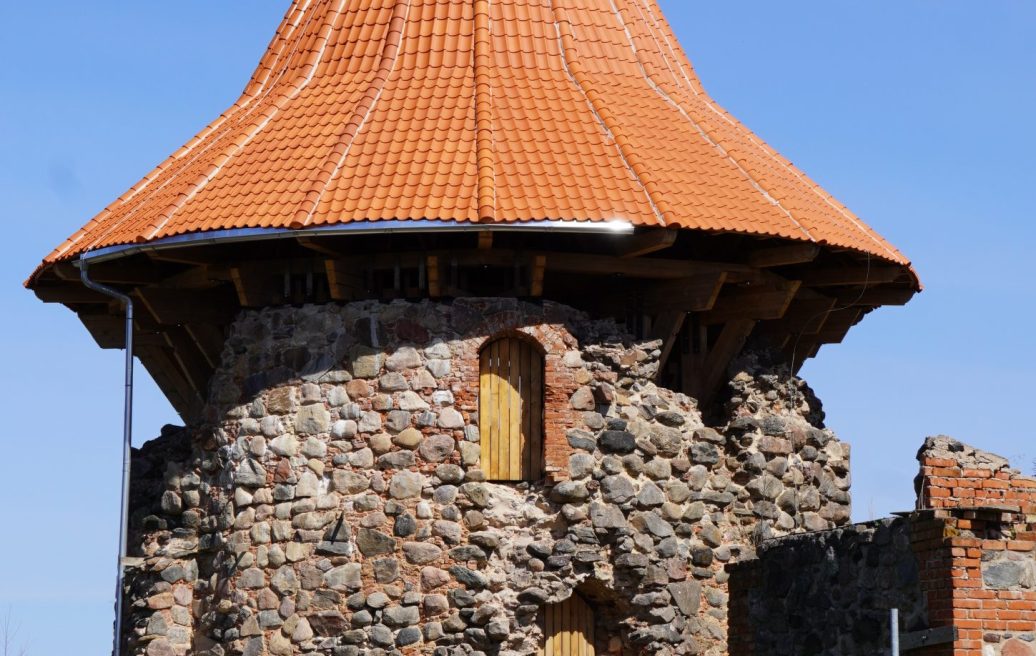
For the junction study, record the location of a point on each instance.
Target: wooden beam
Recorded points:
(784, 255)
(838, 324)
(755, 302)
(69, 292)
(160, 363)
(121, 272)
(198, 277)
(344, 280)
(807, 313)
(666, 327)
(852, 275)
(319, 246)
(108, 330)
(249, 286)
(918, 639)
(726, 347)
(198, 256)
(875, 297)
(172, 307)
(692, 294)
(539, 264)
(485, 240)
(192, 363)
(654, 268)
(649, 241)
(649, 268)
(434, 274)
(209, 339)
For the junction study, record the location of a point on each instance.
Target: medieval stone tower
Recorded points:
(483, 320)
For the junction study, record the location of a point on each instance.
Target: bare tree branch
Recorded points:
(9, 645)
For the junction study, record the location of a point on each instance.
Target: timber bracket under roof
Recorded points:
(702, 296)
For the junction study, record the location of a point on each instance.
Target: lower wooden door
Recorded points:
(569, 628)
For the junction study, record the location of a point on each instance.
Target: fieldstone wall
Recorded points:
(828, 592)
(334, 502)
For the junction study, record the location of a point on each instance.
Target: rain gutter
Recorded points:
(239, 235)
(127, 434)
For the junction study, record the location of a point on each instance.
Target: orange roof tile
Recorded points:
(475, 110)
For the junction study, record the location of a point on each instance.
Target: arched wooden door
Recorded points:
(511, 410)
(569, 628)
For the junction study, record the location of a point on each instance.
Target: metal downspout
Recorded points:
(127, 434)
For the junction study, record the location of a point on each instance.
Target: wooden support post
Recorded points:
(434, 277)
(539, 265)
(485, 240)
(667, 326)
(729, 343)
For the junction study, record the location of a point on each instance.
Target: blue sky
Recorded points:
(918, 114)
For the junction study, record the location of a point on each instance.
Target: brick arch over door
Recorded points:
(511, 376)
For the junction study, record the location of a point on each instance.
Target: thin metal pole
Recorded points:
(894, 630)
(127, 439)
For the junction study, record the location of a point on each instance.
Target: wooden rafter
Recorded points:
(69, 292)
(209, 339)
(646, 242)
(251, 292)
(161, 364)
(875, 274)
(692, 294)
(121, 272)
(753, 302)
(705, 381)
(217, 305)
(784, 255)
(667, 327)
(874, 297)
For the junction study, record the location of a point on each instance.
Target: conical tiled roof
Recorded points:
(476, 110)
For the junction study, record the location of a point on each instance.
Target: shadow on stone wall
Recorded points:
(827, 593)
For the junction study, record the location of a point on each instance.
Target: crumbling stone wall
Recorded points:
(334, 501)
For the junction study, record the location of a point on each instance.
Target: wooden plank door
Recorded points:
(568, 628)
(511, 410)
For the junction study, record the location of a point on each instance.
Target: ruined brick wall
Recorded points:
(334, 502)
(965, 561)
(955, 475)
(982, 543)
